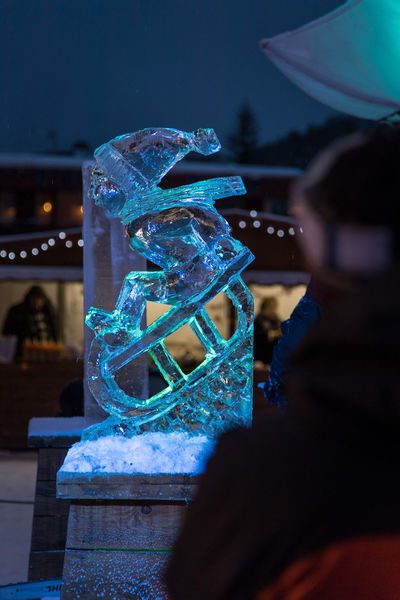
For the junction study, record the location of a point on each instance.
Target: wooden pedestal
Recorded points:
(120, 532)
(52, 437)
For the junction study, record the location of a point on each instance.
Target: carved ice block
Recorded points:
(179, 230)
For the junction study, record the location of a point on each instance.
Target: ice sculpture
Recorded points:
(180, 230)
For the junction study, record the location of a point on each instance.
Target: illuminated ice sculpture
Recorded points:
(180, 230)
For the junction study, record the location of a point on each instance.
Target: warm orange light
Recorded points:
(81, 208)
(47, 207)
(8, 213)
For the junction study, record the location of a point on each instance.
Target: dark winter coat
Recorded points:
(325, 472)
(263, 346)
(20, 321)
(305, 315)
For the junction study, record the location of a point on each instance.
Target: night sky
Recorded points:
(93, 69)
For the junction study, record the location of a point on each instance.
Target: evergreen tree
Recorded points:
(296, 149)
(244, 142)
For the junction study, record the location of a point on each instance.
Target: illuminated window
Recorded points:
(8, 210)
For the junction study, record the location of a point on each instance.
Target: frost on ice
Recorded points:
(149, 453)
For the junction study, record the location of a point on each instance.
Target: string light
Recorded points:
(257, 224)
(47, 207)
(44, 247)
(270, 229)
(62, 235)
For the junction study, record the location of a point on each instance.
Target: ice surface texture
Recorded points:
(181, 231)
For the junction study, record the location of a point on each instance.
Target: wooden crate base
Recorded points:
(52, 438)
(121, 529)
(118, 574)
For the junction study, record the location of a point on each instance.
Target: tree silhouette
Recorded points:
(81, 147)
(296, 149)
(243, 143)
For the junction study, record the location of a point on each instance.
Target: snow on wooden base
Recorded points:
(149, 453)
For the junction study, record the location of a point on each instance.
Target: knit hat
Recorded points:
(354, 189)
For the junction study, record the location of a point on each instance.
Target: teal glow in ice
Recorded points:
(181, 231)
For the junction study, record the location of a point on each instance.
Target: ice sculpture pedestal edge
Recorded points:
(120, 531)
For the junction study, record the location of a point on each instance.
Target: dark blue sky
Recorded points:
(93, 69)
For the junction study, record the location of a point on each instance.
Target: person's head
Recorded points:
(346, 204)
(268, 306)
(72, 399)
(35, 298)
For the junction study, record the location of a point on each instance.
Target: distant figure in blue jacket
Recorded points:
(304, 316)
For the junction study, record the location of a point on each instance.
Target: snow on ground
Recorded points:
(151, 453)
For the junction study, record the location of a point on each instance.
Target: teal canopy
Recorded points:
(349, 59)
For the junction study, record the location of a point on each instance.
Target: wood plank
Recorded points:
(46, 503)
(50, 520)
(49, 532)
(49, 461)
(50, 517)
(55, 432)
(46, 565)
(124, 527)
(127, 575)
(178, 487)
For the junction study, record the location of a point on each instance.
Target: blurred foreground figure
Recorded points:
(305, 505)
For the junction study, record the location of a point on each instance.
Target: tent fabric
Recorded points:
(349, 59)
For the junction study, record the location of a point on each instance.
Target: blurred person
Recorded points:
(304, 505)
(305, 315)
(32, 319)
(319, 296)
(323, 290)
(71, 400)
(267, 329)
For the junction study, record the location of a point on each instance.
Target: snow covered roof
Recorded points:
(250, 171)
(43, 161)
(10, 160)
